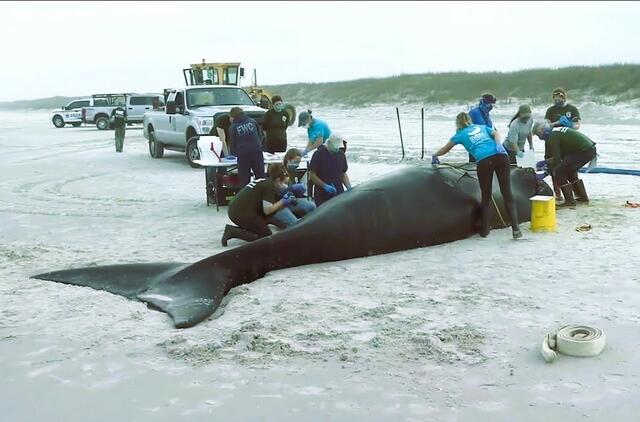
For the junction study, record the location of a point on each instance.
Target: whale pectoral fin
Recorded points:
(126, 280)
(188, 297)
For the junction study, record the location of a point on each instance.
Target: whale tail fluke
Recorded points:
(126, 280)
(189, 293)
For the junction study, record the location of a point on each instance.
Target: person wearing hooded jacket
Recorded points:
(246, 135)
(480, 114)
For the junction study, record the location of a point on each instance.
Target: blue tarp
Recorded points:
(608, 170)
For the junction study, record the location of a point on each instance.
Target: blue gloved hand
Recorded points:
(566, 122)
(298, 189)
(541, 176)
(435, 160)
(519, 154)
(305, 152)
(288, 199)
(329, 188)
(541, 165)
(230, 157)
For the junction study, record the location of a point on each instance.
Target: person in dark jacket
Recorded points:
(566, 151)
(246, 135)
(275, 124)
(328, 170)
(119, 117)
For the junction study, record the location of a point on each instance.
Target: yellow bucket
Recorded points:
(543, 213)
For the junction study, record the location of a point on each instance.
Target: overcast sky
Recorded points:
(75, 48)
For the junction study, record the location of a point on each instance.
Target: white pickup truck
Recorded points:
(71, 114)
(193, 111)
(99, 112)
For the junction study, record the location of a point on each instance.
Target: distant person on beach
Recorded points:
(275, 124)
(328, 170)
(483, 143)
(246, 135)
(566, 151)
(251, 206)
(318, 131)
(119, 117)
(561, 114)
(480, 114)
(519, 133)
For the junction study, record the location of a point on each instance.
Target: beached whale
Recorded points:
(406, 209)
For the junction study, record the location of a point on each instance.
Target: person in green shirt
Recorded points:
(257, 200)
(119, 117)
(275, 124)
(566, 151)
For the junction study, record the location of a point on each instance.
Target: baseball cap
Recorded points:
(488, 98)
(524, 110)
(303, 118)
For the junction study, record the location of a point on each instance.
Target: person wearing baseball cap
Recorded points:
(519, 132)
(318, 131)
(562, 113)
(480, 114)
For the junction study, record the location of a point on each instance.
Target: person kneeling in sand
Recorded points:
(251, 206)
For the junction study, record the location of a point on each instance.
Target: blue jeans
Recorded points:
(289, 215)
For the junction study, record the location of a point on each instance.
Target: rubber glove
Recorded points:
(330, 188)
(541, 176)
(298, 189)
(230, 157)
(305, 152)
(288, 199)
(564, 121)
(519, 154)
(435, 160)
(541, 165)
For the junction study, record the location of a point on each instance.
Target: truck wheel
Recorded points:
(102, 123)
(156, 149)
(58, 121)
(76, 124)
(193, 153)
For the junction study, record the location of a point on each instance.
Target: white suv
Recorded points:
(70, 114)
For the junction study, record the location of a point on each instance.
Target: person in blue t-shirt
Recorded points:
(246, 135)
(318, 131)
(483, 143)
(328, 170)
(480, 114)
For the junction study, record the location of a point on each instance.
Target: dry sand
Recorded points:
(445, 333)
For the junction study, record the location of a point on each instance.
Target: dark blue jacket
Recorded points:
(246, 135)
(480, 115)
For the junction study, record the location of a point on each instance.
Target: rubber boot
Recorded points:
(580, 191)
(567, 191)
(233, 232)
